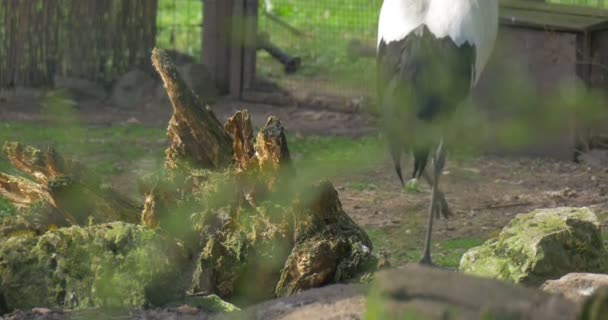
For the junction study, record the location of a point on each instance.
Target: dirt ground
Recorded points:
(485, 193)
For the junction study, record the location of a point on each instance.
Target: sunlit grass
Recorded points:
(101, 148)
(405, 246)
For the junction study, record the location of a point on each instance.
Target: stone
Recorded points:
(577, 287)
(420, 292)
(337, 301)
(107, 265)
(541, 245)
(81, 89)
(211, 304)
(132, 89)
(200, 80)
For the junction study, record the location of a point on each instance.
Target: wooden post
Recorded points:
(237, 48)
(217, 25)
(230, 42)
(251, 43)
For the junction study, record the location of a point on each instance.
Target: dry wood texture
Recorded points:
(64, 185)
(198, 140)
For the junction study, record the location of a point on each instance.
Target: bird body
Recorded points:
(462, 21)
(430, 54)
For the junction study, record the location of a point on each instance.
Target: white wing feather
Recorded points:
(472, 21)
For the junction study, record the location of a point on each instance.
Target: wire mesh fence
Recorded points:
(335, 40)
(179, 24)
(327, 36)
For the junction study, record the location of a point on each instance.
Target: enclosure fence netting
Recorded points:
(179, 24)
(336, 40)
(327, 36)
(91, 39)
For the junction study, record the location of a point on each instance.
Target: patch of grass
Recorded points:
(401, 246)
(108, 150)
(328, 157)
(362, 186)
(404, 248)
(412, 186)
(449, 253)
(6, 209)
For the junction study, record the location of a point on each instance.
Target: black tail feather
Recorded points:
(396, 151)
(421, 156)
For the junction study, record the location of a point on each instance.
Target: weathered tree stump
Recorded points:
(72, 194)
(198, 140)
(228, 196)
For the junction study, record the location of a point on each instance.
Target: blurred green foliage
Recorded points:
(179, 25)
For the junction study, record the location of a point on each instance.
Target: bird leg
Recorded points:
(443, 210)
(436, 203)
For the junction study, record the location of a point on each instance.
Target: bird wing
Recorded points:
(463, 21)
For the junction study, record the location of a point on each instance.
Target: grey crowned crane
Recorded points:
(430, 54)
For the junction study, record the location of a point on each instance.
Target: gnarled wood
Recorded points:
(21, 192)
(198, 140)
(63, 184)
(261, 163)
(240, 129)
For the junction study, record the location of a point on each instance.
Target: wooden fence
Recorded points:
(92, 39)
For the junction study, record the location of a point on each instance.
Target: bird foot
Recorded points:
(427, 262)
(441, 207)
(412, 186)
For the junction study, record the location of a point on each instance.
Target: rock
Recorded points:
(206, 303)
(109, 265)
(418, 292)
(132, 89)
(541, 245)
(577, 287)
(338, 301)
(210, 304)
(81, 89)
(200, 80)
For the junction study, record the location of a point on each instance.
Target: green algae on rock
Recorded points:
(541, 245)
(108, 265)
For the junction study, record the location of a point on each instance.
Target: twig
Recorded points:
(504, 205)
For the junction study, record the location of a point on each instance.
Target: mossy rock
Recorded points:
(541, 245)
(108, 265)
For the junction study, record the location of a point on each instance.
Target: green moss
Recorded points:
(544, 244)
(110, 265)
(210, 303)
